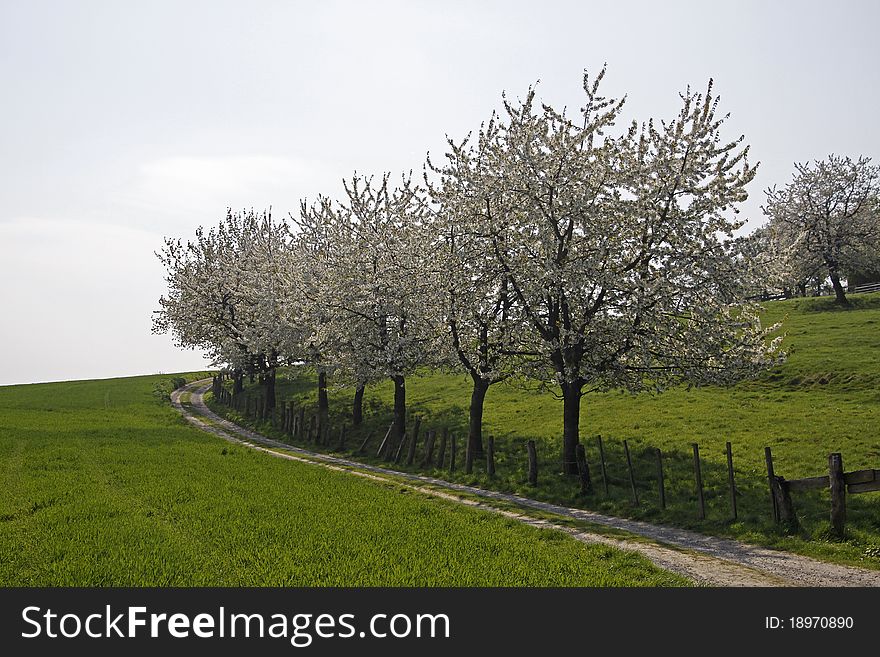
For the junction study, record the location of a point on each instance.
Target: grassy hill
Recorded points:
(104, 484)
(825, 398)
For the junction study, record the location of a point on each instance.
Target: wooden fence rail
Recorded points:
(837, 482)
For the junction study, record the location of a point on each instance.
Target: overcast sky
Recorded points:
(124, 122)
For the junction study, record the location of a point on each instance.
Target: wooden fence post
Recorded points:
(698, 476)
(363, 446)
(411, 455)
(301, 421)
(312, 421)
(602, 464)
(632, 477)
(442, 448)
(429, 447)
(468, 457)
(490, 456)
(784, 506)
(730, 480)
(383, 446)
(452, 453)
(533, 463)
(771, 478)
(583, 469)
(399, 451)
(661, 483)
(838, 493)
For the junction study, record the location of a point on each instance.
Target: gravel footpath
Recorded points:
(704, 559)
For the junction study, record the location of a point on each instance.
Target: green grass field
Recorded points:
(825, 398)
(104, 484)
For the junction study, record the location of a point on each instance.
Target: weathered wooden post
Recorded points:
(602, 464)
(312, 421)
(452, 454)
(383, 446)
(429, 447)
(771, 478)
(698, 476)
(730, 480)
(784, 506)
(301, 421)
(363, 446)
(583, 470)
(468, 457)
(411, 454)
(661, 483)
(399, 451)
(632, 477)
(442, 448)
(533, 463)
(838, 493)
(490, 456)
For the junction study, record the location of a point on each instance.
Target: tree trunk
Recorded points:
(475, 429)
(269, 382)
(839, 294)
(357, 409)
(399, 409)
(238, 382)
(323, 402)
(571, 416)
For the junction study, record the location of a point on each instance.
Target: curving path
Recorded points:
(704, 559)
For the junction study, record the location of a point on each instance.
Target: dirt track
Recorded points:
(703, 559)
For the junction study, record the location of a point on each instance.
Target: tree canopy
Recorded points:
(549, 247)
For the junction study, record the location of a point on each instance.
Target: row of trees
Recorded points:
(543, 247)
(823, 225)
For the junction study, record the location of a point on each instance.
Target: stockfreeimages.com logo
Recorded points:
(299, 629)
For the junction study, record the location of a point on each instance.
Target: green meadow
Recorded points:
(825, 398)
(104, 484)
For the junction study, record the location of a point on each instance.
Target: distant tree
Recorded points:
(766, 267)
(224, 295)
(616, 249)
(369, 250)
(827, 219)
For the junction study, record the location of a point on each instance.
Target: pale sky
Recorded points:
(124, 122)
